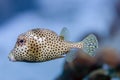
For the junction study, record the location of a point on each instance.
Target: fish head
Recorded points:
(25, 49)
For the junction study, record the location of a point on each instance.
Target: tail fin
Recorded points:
(90, 44)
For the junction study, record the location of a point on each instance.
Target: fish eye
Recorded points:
(21, 41)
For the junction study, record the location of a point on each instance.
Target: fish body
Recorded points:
(40, 45)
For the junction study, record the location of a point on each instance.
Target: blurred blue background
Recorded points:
(79, 16)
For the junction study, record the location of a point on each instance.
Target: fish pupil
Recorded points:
(21, 41)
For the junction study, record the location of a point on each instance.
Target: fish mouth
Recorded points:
(11, 57)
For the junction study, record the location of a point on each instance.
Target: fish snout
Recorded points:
(11, 57)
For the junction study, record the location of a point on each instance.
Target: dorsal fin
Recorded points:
(64, 34)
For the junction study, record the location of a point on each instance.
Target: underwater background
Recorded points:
(81, 17)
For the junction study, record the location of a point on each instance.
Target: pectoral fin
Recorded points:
(62, 56)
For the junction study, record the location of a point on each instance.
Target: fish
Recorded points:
(40, 45)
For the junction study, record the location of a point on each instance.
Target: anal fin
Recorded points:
(71, 55)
